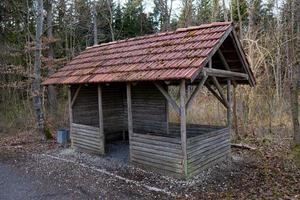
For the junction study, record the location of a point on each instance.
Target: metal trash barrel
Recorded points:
(62, 136)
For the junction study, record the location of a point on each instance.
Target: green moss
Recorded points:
(48, 133)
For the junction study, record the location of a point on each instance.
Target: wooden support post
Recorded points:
(129, 113)
(229, 109)
(183, 126)
(70, 113)
(167, 117)
(101, 127)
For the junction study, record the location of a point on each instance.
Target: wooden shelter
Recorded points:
(122, 87)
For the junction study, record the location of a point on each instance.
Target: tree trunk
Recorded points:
(225, 11)
(294, 106)
(240, 19)
(52, 95)
(295, 83)
(95, 24)
(110, 20)
(36, 86)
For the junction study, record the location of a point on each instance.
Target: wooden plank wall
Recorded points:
(157, 153)
(114, 114)
(207, 149)
(85, 108)
(149, 109)
(86, 138)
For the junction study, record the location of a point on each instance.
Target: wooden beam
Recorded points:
(242, 56)
(183, 126)
(215, 94)
(75, 95)
(223, 60)
(168, 97)
(197, 89)
(101, 127)
(129, 113)
(226, 65)
(70, 113)
(225, 73)
(216, 47)
(219, 88)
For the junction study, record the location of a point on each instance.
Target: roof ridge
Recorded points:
(213, 24)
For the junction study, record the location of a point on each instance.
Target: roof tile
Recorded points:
(161, 56)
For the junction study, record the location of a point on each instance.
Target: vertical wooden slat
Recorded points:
(229, 109)
(129, 113)
(183, 125)
(70, 112)
(101, 127)
(167, 114)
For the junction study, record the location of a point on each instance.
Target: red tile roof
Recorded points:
(163, 56)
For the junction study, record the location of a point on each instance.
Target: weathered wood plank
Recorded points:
(183, 125)
(100, 114)
(158, 138)
(172, 153)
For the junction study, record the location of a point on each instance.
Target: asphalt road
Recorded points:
(15, 185)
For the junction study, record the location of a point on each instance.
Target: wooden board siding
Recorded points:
(85, 108)
(87, 138)
(157, 153)
(114, 115)
(149, 109)
(207, 149)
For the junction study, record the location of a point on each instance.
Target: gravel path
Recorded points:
(16, 185)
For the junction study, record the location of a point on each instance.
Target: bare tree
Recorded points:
(165, 11)
(36, 86)
(225, 11)
(110, 20)
(240, 19)
(215, 10)
(95, 31)
(296, 79)
(52, 95)
(186, 17)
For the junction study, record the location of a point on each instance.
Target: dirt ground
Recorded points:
(33, 170)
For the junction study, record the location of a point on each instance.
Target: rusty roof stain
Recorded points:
(163, 56)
